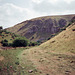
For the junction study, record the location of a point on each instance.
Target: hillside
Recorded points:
(54, 57)
(8, 37)
(41, 28)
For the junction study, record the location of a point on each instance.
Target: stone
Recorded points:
(30, 71)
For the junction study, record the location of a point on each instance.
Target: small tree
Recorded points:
(4, 42)
(20, 42)
(1, 27)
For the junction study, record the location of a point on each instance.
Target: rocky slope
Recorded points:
(41, 28)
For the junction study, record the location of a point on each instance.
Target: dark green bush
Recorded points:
(62, 29)
(4, 42)
(1, 27)
(49, 38)
(20, 42)
(34, 43)
(10, 44)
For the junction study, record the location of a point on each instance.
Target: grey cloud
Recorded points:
(59, 6)
(10, 15)
(15, 11)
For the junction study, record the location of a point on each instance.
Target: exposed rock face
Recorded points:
(46, 26)
(41, 27)
(33, 29)
(62, 22)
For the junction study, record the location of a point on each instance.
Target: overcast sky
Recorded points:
(16, 11)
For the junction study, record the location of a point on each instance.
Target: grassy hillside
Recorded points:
(9, 39)
(41, 28)
(4, 35)
(54, 57)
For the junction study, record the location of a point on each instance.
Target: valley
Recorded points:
(53, 57)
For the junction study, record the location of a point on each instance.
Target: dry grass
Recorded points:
(54, 57)
(1, 58)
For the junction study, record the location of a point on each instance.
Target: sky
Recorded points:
(15, 11)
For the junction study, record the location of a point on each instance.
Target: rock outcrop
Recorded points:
(41, 27)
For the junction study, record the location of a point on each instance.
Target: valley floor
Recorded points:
(36, 61)
(46, 62)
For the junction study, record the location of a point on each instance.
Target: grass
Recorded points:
(54, 57)
(16, 63)
(6, 36)
(10, 62)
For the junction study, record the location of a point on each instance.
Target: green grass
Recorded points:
(16, 63)
(8, 37)
(10, 59)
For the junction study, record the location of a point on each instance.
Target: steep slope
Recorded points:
(54, 57)
(4, 35)
(41, 28)
(6, 38)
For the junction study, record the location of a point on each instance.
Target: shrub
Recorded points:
(20, 42)
(10, 44)
(4, 42)
(73, 29)
(49, 38)
(1, 27)
(34, 43)
(39, 42)
(32, 38)
(7, 32)
(62, 29)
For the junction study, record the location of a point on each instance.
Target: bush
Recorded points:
(1, 27)
(49, 38)
(4, 42)
(34, 43)
(73, 29)
(10, 44)
(20, 42)
(62, 29)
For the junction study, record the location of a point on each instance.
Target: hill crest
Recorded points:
(41, 28)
